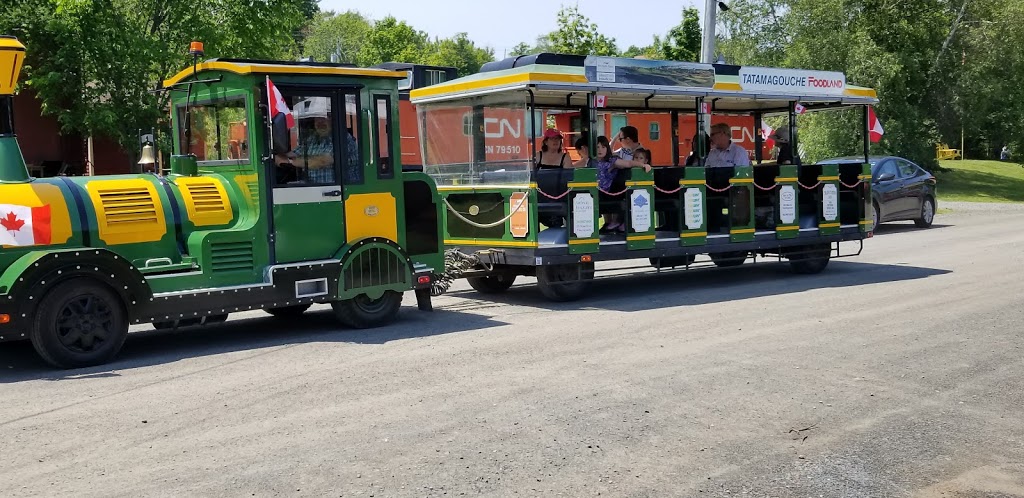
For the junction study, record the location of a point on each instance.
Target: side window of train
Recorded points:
(219, 132)
(353, 171)
(313, 155)
(382, 149)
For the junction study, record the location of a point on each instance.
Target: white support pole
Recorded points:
(707, 53)
(89, 167)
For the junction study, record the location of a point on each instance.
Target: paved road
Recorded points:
(895, 373)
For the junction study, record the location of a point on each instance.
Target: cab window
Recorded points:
(382, 118)
(219, 132)
(313, 156)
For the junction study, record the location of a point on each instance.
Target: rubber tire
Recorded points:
(289, 311)
(728, 259)
(45, 337)
(876, 217)
(925, 221)
(810, 264)
(560, 283)
(361, 312)
(492, 284)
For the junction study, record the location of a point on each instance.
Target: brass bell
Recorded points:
(148, 158)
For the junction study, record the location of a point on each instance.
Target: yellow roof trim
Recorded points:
(728, 86)
(238, 68)
(511, 79)
(11, 44)
(860, 92)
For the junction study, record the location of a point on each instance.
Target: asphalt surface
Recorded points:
(894, 373)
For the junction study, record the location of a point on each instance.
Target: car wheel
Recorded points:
(566, 282)
(876, 216)
(363, 312)
(811, 260)
(727, 259)
(80, 323)
(492, 284)
(927, 213)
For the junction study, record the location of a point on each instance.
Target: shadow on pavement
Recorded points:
(147, 347)
(644, 291)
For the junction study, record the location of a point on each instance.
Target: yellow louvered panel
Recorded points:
(127, 211)
(206, 201)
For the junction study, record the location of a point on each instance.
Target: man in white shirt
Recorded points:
(628, 141)
(724, 153)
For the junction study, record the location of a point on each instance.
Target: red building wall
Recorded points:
(41, 140)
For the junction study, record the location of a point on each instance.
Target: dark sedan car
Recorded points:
(900, 189)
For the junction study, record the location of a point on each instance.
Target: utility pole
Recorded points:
(707, 52)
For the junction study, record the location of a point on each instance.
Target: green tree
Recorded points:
(458, 52)
(336, 36)
(522, 48)
(391, 40)
(682, 43)
(577, 35)
(92, 63)
(753, 32)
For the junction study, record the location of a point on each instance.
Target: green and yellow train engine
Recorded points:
(285, 190)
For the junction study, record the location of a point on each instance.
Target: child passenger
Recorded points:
(608, 166)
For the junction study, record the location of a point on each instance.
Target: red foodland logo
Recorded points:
(823, 83)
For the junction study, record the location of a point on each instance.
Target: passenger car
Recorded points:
(900, 189)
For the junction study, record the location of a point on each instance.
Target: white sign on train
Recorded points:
(788, 81)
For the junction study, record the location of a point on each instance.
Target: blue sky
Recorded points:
(501, 24)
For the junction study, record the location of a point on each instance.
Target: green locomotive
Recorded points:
(261, 210)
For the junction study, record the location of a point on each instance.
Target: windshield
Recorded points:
(480, 140)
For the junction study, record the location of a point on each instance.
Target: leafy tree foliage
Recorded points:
(92, 63)
(336, 37)
(682, 43)
(577, 35)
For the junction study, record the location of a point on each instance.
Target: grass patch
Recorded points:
(980, 181)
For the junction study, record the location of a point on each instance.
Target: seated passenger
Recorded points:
(583, 148)
(608, 166)
(551, 154)
(725, 154)
(316, 151)
(782, 143)
(693, 159)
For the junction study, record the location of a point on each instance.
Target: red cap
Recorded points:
(552, 133)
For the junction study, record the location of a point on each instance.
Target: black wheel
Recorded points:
(80, 323)
(927, 213)
(565, 282)
(492, 284)
(362, 312)
(288, 311)
(810, 260)
(876, 216)
(727, 259)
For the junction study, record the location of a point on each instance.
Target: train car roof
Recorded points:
(558, 79)
(240, 66)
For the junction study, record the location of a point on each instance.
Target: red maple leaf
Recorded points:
(12, 223)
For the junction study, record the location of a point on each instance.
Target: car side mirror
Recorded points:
(885, 177)
(280, 135)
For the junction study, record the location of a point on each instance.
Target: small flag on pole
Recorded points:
(278, 105)
(875, 130)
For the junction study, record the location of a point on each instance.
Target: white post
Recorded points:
(707, 53)
(89, 168)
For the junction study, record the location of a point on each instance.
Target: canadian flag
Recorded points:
(875, 130)
(766, 132)
(799, 108)
(278, 105)
(600, 101)
(24, 226)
